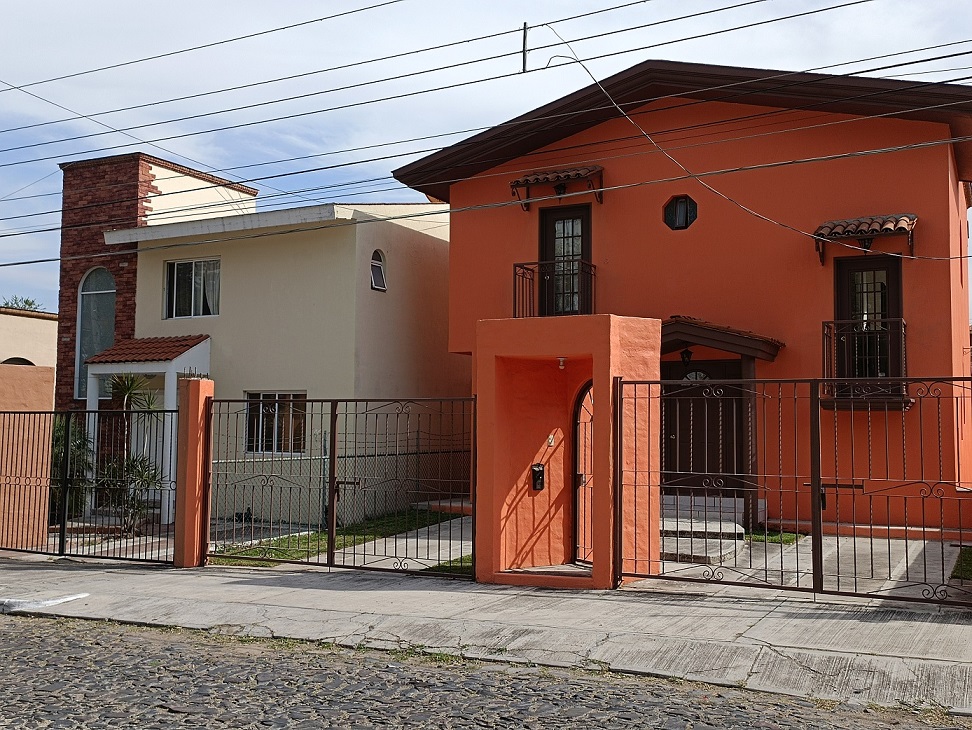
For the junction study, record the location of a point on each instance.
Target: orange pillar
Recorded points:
(192, 509)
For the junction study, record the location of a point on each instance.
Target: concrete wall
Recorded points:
(401, 347)
(183, 197)
(30, 335)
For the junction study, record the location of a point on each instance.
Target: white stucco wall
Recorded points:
(401, 335)
(30, 335)
(297, 312)
(184, 198)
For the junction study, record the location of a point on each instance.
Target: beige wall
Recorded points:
(187, 198)
(401, 347)
(30, 335)
(286, 306)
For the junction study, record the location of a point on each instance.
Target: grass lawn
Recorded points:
(963, 566)
(307, 545)
(456, 566)
(773, 536)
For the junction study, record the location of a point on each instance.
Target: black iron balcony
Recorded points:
(865, 357)
(553, 288)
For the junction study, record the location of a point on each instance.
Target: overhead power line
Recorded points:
(354, 64)
(362, 84)
(734, 95)
(540, 199)
(167, 54)
(444, 87)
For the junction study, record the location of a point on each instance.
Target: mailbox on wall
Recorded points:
(537, 472)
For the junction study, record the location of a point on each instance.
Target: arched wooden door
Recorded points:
(583, 475)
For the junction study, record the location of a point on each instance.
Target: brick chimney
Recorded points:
(98, 195)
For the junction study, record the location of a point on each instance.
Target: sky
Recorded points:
(347, 131)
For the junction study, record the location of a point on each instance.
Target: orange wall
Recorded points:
(25, 454)
(730, 267)
(525, 398)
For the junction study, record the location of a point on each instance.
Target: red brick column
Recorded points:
(192, 470)
(98, 195)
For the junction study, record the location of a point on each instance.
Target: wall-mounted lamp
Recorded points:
(865, 243)
(560, 189)
(561, 361)
(686, 356)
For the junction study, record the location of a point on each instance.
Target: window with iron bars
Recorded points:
(275, 422)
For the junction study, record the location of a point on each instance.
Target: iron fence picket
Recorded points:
(89, 484)
(867, 482)
(379, 484)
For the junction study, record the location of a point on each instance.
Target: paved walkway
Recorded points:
(766, 640)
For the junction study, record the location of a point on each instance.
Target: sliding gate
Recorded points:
(376, 484)
(832, 486)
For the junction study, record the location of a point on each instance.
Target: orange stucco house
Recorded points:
(796, 239)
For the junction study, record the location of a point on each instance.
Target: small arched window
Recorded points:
(16, 361)
(378, 271)
(96, 323)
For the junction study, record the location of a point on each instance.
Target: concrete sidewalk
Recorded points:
(774, 641)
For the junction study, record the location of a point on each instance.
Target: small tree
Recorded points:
(18, 302)
(133, 474)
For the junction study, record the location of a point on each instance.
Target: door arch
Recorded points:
(584, 475)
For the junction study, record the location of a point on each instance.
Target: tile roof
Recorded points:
(683, 318)
(148, 349)
(551, 176)
(874, 225)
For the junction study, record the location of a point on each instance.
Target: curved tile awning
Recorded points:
(866, 228)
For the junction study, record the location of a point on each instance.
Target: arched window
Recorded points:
(16, 361)
(378, 271)
(96, 323)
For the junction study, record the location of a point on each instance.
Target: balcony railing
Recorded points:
(553, 288)
(869, 350)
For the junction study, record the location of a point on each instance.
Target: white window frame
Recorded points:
(170, 269)
(104, 389)
(256, 445)
(378, 259)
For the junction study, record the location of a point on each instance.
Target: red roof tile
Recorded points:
(148, 349)
(575, 173)
(874, 225)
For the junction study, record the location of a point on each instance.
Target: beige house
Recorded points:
(328, 301)
(27, 338)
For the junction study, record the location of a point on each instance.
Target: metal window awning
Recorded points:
(865, 230)
(593, 175)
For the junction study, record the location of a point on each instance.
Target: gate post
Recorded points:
(332, 490)
(192, 473)
(816, 506)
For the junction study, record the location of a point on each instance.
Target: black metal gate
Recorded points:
(375, 484)
(89, 484)
(842, 487)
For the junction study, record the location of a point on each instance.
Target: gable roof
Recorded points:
(652, 80)
(147, 349)
(680, 331)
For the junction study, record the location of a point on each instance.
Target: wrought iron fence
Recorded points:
(353, 483)
(549, 288)
(874, 348)
(765, 483)
(91, 484)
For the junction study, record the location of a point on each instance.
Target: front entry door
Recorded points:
(702, 428)
(583, 476)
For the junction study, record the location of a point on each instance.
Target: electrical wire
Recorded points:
(410, 94)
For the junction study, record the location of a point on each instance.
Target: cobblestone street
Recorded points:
(76, 674)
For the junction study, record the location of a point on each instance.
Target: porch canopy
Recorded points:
(679, 332)
(166, 356)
